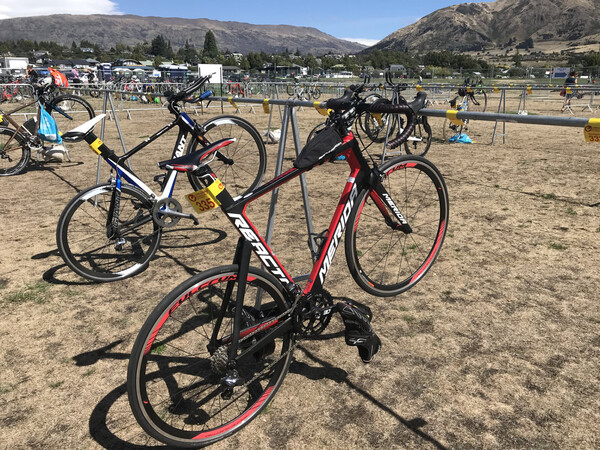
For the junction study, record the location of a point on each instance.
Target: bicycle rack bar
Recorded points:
(501, 106)
(289, 116)
(108, 98)
(578, 122)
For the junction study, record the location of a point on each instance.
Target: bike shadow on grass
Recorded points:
(171, 241)
(112, 425)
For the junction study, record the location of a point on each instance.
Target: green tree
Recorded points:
(210, 49)
(159, 46)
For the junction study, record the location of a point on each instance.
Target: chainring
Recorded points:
(160, 207)
(313, 313)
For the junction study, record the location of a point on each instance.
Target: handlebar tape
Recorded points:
(410, 110)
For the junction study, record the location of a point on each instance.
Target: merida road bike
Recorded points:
(210, 357)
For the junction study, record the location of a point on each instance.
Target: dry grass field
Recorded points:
(497, 347)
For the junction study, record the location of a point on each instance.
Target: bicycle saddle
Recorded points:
(82, 130)
(191, 161)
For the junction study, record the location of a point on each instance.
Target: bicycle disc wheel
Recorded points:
(176, 370)
(14, 155)
(385, 261)
(70, 111)
(82, 239)
(246, 157)
(419, 141)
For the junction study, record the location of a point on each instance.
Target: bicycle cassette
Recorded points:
(313, 313)
(161, 212)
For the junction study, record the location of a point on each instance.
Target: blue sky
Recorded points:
(369, 20)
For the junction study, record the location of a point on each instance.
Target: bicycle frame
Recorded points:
(186, 127)
(361, 176)
(20, 128)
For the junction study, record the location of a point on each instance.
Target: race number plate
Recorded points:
(206, 199)
(591, 131)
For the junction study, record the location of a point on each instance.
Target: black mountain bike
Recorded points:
(214, 352)
(112, 230)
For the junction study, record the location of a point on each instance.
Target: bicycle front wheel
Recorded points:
(383, 259)
(175, 378)
(70, 111)
(243, 163)
(14, 152)
(83, 240)
(419, 141)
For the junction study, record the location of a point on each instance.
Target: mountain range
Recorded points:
(553, 25)
(108, 30)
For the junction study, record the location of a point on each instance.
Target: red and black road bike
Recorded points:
(215, 350)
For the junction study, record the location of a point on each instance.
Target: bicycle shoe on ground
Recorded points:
(359, 333)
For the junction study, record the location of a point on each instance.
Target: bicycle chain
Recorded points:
(293, 346)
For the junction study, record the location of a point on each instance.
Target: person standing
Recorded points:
(570, 81)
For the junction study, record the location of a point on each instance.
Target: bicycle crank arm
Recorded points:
(181, 215)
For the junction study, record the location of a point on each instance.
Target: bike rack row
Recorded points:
(289, 121)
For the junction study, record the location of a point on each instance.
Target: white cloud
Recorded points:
(367, 42)
(25, 8)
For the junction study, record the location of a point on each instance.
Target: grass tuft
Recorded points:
(37, 293)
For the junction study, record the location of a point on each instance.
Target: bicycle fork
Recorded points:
(112, 218)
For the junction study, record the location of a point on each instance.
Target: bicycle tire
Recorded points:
(386, 262)
(376, 126)
(419, 141)
(290, 89)
(316, 93)
(70, 111)
(82, 240)
(15, 156)
(174, 383)
(95, 91)
(478, 101)
(248, 154)
(450, 129)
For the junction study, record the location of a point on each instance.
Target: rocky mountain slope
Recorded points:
(108, 30)
(478, 26)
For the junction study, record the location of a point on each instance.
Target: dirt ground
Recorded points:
(497, 347)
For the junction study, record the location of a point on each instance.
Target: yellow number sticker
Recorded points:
(96, 146)
(206, 199)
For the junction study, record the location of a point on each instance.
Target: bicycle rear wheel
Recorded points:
(246, 158)
(70, 111)
(382, 259)
(419, 141)
(14, 155)
(82, 238)
(179, 359)
(478, 101)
